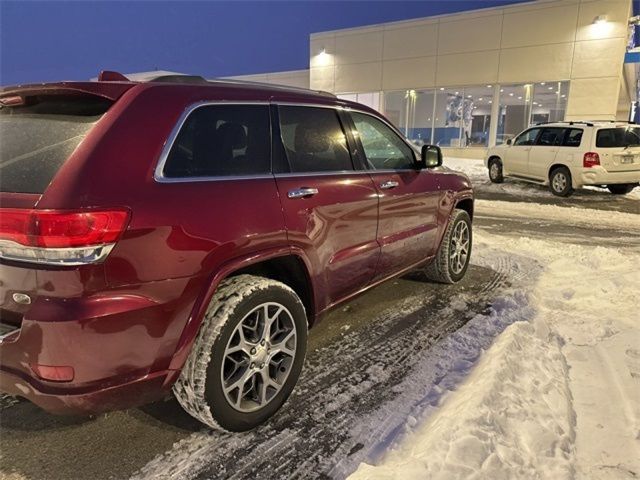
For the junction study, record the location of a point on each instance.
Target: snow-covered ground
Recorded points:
(477, 172)
(557, 395)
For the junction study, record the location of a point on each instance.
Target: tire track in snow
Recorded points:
(355, 393)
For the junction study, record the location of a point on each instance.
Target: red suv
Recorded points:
(184, 234)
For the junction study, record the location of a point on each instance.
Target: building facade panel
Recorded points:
(359, 77)
(409, 73)
(358, 47)
(598, 58)
(410, 42)
(540, 26)
(539, 63)
(470, 35)
(468, 68)
(593, 99)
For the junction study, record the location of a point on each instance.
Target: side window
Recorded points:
(222, 140)
(573, 138)
(383, 148)
(551, 137)
(313, 139)
(528, 137)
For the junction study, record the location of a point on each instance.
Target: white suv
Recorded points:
(569, 155)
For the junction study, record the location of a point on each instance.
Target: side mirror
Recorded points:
(430, 157)
(509, 141)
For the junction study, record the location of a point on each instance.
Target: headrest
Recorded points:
(308, 139)
(232, 134)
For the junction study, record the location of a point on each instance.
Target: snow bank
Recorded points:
(477, 172)
(511, 420)
(552, 398)
(569, 216)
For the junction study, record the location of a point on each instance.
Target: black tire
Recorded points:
(495, 171)
(621, 189)
(560, 182)
(441, 269)
(200, 388)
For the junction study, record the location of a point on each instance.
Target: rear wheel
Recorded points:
(560, 182)
(495, 171)
(248, 354)
(621, 189)
(452, 259)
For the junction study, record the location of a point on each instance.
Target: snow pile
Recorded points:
(511, 420)
(552, 398)
(479, 176)
(569, 216)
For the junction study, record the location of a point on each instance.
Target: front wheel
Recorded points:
(560, 182)
(452, 260)
(248, 354)
(621, 189)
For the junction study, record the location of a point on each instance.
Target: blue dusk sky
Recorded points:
(55, 40)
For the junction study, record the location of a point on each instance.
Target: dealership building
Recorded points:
(470, 80)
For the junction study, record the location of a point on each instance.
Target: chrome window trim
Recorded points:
(158, 174)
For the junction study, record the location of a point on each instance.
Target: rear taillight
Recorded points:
(590, 159)
(59, 237)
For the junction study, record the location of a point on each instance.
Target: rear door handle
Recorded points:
(388, 185)
(302, 192)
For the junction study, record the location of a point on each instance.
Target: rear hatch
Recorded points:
(40, 128)
(619, 148)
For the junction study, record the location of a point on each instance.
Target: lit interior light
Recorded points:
(542, 83)
(563, 96)
(468, 96)
(490, 101)
(519, 98)
(489, 86)
(549, 88)
(480, 99)
(441, 88)
(457, 93)
(511, 94)
(501, 90)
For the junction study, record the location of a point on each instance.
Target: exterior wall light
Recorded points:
(600, 19)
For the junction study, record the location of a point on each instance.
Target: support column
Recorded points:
(495, 112)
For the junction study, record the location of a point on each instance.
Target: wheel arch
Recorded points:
(553, 167)
(465, 204)
(273, 264)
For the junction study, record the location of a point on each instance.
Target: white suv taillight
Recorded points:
(58, 237)
(590, 159)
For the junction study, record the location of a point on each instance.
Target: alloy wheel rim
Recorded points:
(559, 182)
(258, 357)
(459, 251)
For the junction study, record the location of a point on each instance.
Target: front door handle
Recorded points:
(388, 185)
(303, 192)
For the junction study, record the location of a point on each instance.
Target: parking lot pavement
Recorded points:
(367, 364)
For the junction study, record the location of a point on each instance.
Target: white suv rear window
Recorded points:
(618, 137)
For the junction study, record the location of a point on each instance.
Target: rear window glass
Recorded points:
(618, 137)
(38, 136)
(314, 140)
(222, 140)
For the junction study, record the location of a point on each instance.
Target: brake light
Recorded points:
(590, 159)
(53, 236)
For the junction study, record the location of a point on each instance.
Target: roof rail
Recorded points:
(179, 79)
(571, 122)
(270, 85)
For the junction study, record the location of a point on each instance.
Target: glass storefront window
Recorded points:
(476, 119)
(515, 110)
(449, 117)
(412, 112)
(549, 101)
(370, 99)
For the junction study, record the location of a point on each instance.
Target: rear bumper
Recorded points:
(600, 176)
(119, 343)
(93, 399)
